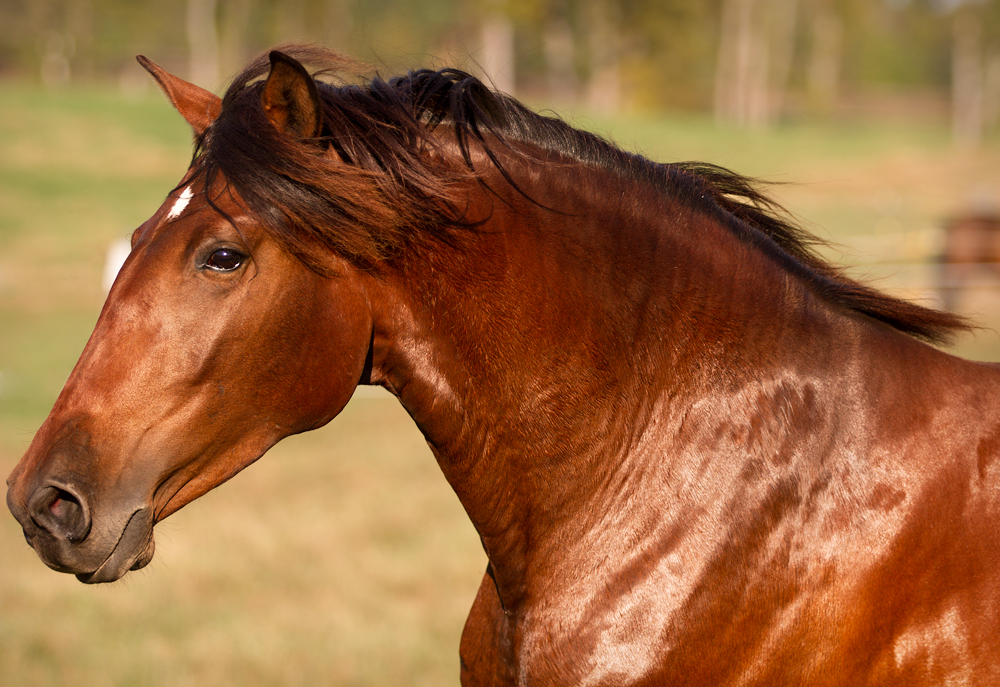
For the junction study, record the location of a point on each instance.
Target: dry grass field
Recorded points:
(342, 557)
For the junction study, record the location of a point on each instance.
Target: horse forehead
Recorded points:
(180, 203)
(180, 209)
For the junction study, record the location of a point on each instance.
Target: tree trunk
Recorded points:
(740, 85)
(497, 54)
(604, 34)
(824, 63)
(203, 43)
(756, 44)
(81, 27)
(559, 53)
(967, 76)
(781, 18)
(991, 90)
(234, 21)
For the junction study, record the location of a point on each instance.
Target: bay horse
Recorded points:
(971, 255)
(695, 452)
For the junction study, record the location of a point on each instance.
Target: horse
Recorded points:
(694, 451)
(971, 254)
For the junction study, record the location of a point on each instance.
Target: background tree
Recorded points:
(756, 44)
(752, 62)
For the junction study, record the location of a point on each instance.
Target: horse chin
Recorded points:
(133, 551)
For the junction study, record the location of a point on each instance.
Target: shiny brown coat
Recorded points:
(695, 454)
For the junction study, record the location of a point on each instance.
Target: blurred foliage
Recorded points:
(665, 52)
(896, 44)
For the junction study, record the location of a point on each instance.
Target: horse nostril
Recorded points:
(60, 512)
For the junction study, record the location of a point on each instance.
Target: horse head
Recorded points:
(215, 342)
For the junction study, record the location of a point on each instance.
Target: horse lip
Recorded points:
(133, 550)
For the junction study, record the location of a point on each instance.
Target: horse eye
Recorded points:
(224, 260)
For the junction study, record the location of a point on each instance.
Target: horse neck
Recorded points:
(537, 353)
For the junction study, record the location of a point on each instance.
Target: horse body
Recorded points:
(751, 504)
(687, 461)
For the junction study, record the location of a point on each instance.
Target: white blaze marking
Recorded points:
(180, 204)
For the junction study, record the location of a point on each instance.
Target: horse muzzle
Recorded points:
(57, 523)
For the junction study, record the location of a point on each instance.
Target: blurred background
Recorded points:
(343, 557)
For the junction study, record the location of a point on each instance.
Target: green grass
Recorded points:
(342, 557)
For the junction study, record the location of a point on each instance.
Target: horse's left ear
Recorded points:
(199, 107)
(290, 99)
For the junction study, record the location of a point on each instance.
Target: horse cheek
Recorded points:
(332, 354)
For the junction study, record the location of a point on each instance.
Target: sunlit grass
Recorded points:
(342, 557)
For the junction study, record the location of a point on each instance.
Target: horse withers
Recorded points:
(695, 452)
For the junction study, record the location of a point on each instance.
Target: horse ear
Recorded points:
(290, 99)
(199, 107)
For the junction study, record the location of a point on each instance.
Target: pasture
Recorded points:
(342, 557)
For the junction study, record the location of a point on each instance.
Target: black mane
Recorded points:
(381, 190)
